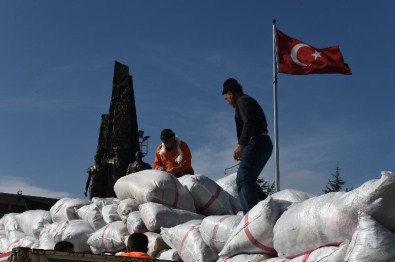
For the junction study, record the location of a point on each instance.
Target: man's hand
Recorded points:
(238, 152)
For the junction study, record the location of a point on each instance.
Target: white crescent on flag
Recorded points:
(294, 54)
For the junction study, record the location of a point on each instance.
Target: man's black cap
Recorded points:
(166, 134)
(231, 84)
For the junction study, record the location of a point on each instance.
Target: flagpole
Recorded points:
(275, 69)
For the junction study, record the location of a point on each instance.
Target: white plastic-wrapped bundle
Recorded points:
(4, 243)
(92, 214)
(245, 258)
(110, 213)
(332, 218)
(371, 242)
(155, 244)
(254, 234)
(278, 259)
(10, 223)
(103, 201)
(292, 195)
(135, 223)
(54, 231)
(65, 209)
(31, 222)
(215, 230)
(169, 254)
(228, 183)
(126, 206)
(157, 215)
(77, 232)
(154, 186)
(46, 242)
(324, 254)
(187, 240)
(208, 196)
(110, 238)
(27, 241)
(14, 236)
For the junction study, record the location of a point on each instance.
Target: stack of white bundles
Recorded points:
(280, 259)
(92, 214)
(111, 238)
(245, 258)
(332, 218)
(292, 195)
(110, 212)
(156, 244)
(78, 231)
(126, 206)
(324, 254)
(215, 230)
(154, 186)
(26, 241)
(187, 240)
(65, 209)
(13, 233)
(4, 243)
(104, 201)
(228, 183)
(371, 242)
(169, 254)
(254, 234)
(46, 242)
(157, 215)
(10, 223)
(208, 196)
(31, 222)
(135, 223)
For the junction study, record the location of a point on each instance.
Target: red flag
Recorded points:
(298, 58)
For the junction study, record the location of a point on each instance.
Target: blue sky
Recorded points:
(57, 60)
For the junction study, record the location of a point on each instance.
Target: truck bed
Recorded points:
(22, 254)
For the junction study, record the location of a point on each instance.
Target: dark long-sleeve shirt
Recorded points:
(250, 119)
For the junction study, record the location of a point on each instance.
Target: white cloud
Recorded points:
(12, 185)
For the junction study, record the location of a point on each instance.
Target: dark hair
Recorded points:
(166, 134)
(231, 84)
(64, 246)
(137, 242)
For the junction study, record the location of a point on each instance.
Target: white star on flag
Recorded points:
(316, 54)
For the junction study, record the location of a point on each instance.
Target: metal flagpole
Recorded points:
(275, 67)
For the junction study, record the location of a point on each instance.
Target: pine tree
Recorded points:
(336, 184)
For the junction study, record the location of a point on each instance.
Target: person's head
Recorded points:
(167, 136)
(137, 242)
(138, 155)
(64, 246)
(231, 91)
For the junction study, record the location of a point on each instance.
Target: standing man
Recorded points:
(173, 155)
(254, 146)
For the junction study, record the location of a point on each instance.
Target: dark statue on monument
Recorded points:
(138, 164)
(118, 138)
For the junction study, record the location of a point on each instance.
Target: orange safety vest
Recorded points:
(179, 157)
(136, 254)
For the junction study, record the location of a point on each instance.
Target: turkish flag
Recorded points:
(298, 58)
